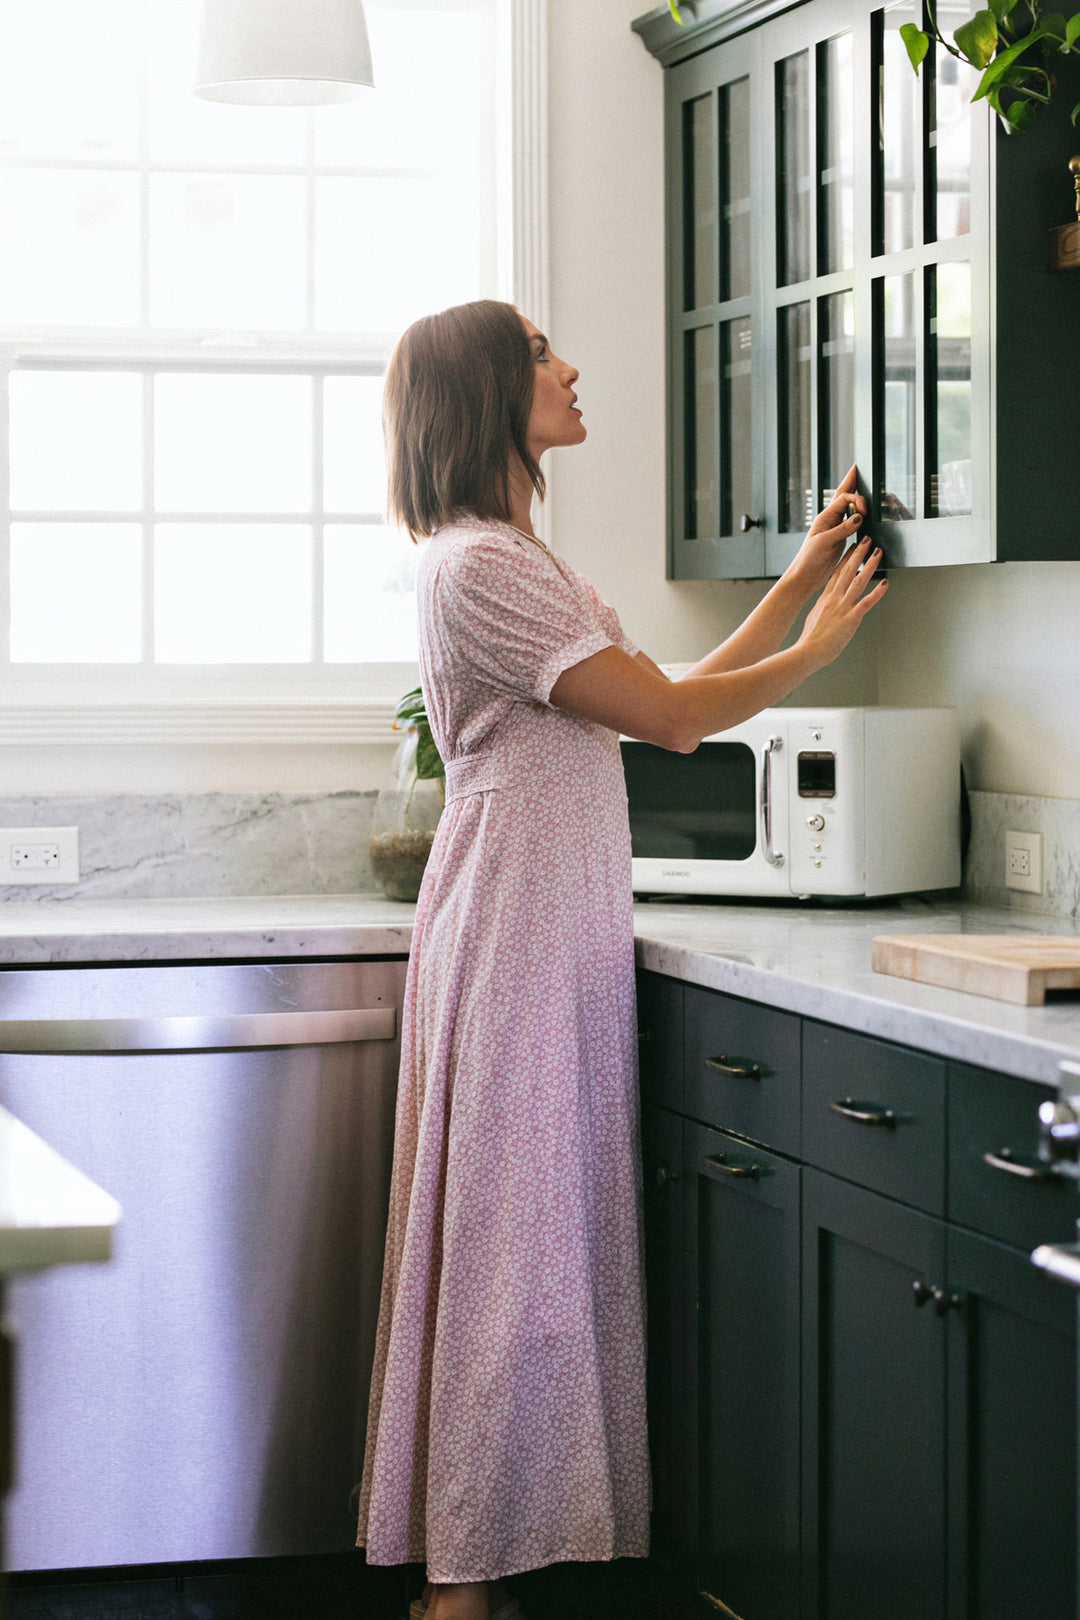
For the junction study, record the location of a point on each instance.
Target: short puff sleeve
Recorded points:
(515, 617)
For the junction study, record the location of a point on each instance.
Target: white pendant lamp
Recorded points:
(285, 53)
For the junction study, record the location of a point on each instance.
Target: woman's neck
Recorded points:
(521, 495)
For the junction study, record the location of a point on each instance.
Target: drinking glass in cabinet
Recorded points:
(836, 153)
(949, 299)
(895, 407)
(735, 217)
(699, 217)
(836, 334)
(793, 175)
(898, 132)
(796, 474)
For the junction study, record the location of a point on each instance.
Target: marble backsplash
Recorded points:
(994, 814)
(166, 845)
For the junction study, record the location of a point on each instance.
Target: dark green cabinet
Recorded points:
(856, 271)
(862, 1401)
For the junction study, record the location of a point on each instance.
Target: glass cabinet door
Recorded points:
(715, 521)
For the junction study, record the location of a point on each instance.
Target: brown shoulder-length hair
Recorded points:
(458, 393)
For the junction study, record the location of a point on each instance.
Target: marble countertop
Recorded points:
(813, 960)
(50, 1213)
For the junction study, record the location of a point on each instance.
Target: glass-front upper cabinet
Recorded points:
(856, 273)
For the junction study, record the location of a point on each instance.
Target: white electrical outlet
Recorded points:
(1024, 861)
(39, 855)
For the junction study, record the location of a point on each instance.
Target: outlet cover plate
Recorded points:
(39, 855)
(1024, 861)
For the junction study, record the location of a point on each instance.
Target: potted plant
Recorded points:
(408, 808)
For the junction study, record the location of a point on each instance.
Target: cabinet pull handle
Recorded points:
(864, 1113)
(1060, 1261)
(921, 1292)
(737, 1068)
(1026, 1169)
(718, 1161)
(945, 1302)
(217, 1032)
(746, 523)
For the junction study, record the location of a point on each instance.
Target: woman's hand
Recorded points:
(829, 533)
(843, 604)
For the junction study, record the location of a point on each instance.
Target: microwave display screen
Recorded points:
(696, 806)
(817, 776)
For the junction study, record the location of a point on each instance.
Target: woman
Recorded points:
(507, 1422)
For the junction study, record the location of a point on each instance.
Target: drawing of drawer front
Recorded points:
(742, 1068)
(874, 1113)
(997, 1183)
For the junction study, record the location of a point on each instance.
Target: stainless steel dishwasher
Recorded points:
(205, 1394)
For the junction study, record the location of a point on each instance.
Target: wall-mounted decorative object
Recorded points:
(1063, 242)
(289, 53)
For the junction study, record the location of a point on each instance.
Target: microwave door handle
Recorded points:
(773, 856)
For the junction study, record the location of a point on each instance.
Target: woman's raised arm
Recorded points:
(633, 697)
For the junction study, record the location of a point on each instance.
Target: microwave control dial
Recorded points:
(816, 823)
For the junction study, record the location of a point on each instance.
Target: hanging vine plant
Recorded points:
(1013, 44)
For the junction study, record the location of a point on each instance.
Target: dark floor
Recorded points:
(333, 1588)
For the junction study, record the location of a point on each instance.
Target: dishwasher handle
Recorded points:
(231, 1032)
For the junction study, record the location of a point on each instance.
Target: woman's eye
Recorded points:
(541, 354)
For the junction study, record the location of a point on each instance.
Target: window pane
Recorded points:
(899, 133)
(232, 444)
(389, 251)
(76, 593)
(354, 465)
(793, 177)
(950, 490)
(699, 197)
(88, 56)
(950, 140)
(836, 333)
(185, 129)
(232, 593)
(432, 95)
(228, 250)
(735, 188)
(837, 156)
(702, 508)
(736, 452)
(796, 475)
(370, 605)
(76, 441)
(898, 420)
(69, 248)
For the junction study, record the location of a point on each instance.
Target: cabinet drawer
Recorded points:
(874, 1113)
(660, 1039)
(997, 1114)
(742, 1068)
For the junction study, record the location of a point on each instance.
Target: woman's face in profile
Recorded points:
(554, 418)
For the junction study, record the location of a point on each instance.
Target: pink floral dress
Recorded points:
(507, 1420)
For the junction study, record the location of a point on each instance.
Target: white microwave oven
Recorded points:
(801, 803)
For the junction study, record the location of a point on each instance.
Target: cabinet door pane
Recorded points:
(896, 404)
(699, 196)
(898, 133)
(796, 474)
(950, 137)
(949, 302)
(736, 217)
(702, 513)
(736, 470)
(836, 327)
(836, 157)
(794, 220)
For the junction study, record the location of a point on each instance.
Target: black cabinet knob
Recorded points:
(746, 523)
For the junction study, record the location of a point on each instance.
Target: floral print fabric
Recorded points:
(507, 1420)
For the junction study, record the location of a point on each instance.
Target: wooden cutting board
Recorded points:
(1008, 967)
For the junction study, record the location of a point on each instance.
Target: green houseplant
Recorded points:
(1014, 45)
(408, 808)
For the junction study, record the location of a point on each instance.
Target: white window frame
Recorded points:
(238, 704)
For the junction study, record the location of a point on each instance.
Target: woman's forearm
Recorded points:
(761, 633)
